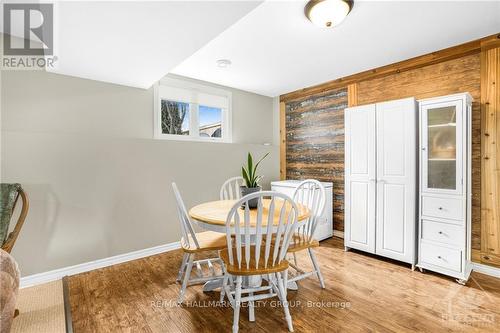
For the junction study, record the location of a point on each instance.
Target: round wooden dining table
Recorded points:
(213, 215)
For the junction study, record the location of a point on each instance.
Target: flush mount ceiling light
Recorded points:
(327, 13)
(223, 63)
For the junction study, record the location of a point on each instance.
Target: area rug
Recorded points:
(41, 309)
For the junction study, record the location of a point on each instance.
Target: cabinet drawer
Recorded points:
(441, 256)
(447, 208)
(443, 232)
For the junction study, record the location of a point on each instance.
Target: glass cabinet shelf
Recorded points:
(443, 125)
(442, 159)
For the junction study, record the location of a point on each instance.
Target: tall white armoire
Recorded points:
(445, 185)
(381, 179)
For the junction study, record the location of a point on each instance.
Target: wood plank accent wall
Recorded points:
(449, 77)
(459, 51)
(315, 143)
(490, 167)
(473, 67)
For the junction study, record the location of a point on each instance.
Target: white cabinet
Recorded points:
(324, 229)
(445, 185)
(381, 178)
(360, 178)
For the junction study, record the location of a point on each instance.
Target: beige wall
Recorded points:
(99, 184)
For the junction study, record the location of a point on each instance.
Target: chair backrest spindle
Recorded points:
(230, 190)
(253, 243)
(310, 193)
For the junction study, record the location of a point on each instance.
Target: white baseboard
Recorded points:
(57, 274)
(485, 269)
(338, 233)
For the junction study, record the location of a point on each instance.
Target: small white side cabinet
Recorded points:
(445, 185)
(324, 229)
(381, 179)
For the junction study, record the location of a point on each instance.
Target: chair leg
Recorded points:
(316, 268)
(295, 259)
(251, 309)
(183, 267)
(236, 307)
(187, 275)
(285, 282)
(223, 289)
(284, 301)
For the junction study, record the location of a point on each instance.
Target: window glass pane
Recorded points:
(210, 119)
(174, 117)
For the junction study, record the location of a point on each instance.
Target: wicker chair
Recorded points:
(9, 195)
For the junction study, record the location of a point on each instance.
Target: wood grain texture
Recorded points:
(363, 293)
(490, 162)
(449, 77)
(315, 143)
(352, 94)
(282, 141)
(454, 52)
(216, 212)
(207, 241)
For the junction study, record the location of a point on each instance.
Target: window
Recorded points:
(185, 111)
(174, 117)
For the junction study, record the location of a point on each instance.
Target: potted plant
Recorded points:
(251, 179)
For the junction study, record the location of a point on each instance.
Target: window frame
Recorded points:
(194, 127)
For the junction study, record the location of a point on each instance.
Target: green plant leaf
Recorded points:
(257, 180)
(256, 165)
(250, 172)
(250, 167)
(244, 174)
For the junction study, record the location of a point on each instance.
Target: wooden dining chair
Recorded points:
(194, 244)
(253, 251)
(309, 193)
(230, 190)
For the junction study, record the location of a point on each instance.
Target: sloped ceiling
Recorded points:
(135, 43)
(275, 49)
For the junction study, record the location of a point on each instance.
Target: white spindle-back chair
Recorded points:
(257, 247)
(188, 239)
(230, 190)
(310, 193)
(193, 243)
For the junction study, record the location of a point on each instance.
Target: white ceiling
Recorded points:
(275, 49)
(136, 43)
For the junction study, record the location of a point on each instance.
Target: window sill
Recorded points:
(189, 139)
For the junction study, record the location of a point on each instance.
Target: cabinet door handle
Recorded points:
(439, 257)
(440, 232)
(440, 208)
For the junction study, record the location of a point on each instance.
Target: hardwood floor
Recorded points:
(364, 293)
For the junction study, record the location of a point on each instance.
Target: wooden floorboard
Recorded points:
(364, 293)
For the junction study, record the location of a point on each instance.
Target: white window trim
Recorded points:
(193, 112)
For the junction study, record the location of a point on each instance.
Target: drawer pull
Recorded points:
(439, 257)
(440, 232)
(440, 208)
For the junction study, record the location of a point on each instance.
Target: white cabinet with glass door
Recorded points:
(445, 154)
